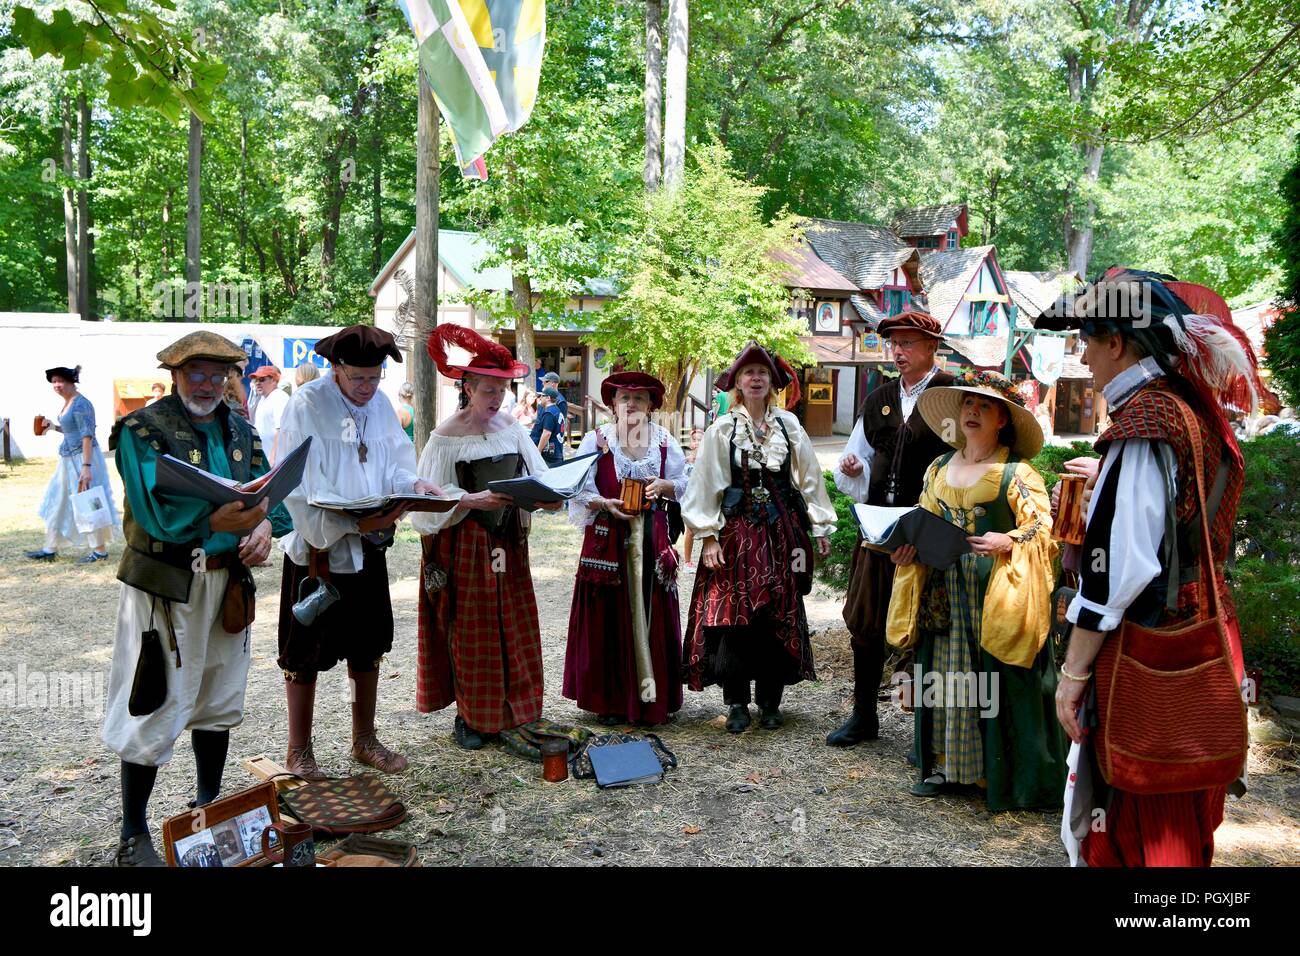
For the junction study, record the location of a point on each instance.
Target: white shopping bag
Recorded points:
(1067, 833)
(91, 511)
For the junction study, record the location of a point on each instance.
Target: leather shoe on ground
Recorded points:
(855, 730)
(93, 557)
(41, 555)
(137, 851)
(301, 762)
(738, 719)
(466, 736)
(770, 718)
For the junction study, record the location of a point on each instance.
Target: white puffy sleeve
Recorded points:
(857, 486)
(579, 514)
(438, 465)
(806, 474)
(319, 528)
(702, 503)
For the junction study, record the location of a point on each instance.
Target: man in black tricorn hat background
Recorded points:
(175, 667)
(884, 463)
(358, 450)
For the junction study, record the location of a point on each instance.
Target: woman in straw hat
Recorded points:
(984, 680)
(625, 634)
(757, 501)
(480, 644)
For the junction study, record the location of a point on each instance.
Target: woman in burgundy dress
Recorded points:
(625, 642)
(757, 501)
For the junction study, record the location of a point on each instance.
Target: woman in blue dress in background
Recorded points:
(81, 467)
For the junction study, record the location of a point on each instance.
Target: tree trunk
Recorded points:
(376, 193)
(654, 96)
(193, 218)
(1078, 239)
(425, 381)
(243, 194)
(675, 108)
(521, 297)
(69, 208)
(85, 251)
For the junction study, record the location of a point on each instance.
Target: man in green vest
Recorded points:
(175, 666)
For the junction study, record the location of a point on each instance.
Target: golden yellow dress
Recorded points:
(985, 679)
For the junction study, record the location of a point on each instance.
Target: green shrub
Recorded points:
(1050, 462)
(834, 570)
(1268, 519)
(1266, 594)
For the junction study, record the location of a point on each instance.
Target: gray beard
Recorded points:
(197, 409)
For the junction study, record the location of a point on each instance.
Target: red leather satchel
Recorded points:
(1171, 717)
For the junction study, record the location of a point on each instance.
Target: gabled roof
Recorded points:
(868, 255)
(809, 271)
(1036, 292)
(947, 275)
(982, 351)
(866, 309)
(915, 221)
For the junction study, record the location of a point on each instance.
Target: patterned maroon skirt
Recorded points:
(755, 595)
(480, 645)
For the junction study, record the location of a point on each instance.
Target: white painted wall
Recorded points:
(106, 351)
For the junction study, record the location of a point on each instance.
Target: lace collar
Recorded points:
(647, 466)
(770, 451)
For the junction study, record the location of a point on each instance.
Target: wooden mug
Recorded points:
(295, 847)
(1070, 522)
(633, 496)
(39, 425)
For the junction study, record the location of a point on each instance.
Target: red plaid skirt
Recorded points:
(480, 645)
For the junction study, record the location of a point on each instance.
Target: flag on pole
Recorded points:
(461, 81)
(511, 34)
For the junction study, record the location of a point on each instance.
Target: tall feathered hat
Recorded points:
(489, 358)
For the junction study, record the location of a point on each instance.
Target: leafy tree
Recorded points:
(699, 279)
(1283, 339)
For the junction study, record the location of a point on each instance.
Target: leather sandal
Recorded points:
(738, 719)
(302, 762)
(370, 751)
(137, 851)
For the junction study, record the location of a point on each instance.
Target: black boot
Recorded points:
(863, 724)
(466, 736)
(769, 717)
(738, 719)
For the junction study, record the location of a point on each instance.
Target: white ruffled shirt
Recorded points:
(711, 476)
(334, 469)
(442, 452)
(645, 469)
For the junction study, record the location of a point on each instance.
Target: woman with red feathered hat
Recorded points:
(1151, 689)
(757, 500)
(625, 638)
(480, 645)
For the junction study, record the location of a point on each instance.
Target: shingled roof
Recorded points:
(866, 309)
(809, 271)
(866, 254)
(916, 221)
(1035, 292)
(947, 275)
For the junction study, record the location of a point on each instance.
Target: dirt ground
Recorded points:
(764, 797)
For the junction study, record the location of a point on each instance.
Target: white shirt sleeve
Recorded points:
(1125, 529)
(579, 514)
(856, 487)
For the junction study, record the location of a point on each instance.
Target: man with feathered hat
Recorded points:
(1164, 371)
(358, 450)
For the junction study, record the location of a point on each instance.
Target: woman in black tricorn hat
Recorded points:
(81, 467)
(757, 500)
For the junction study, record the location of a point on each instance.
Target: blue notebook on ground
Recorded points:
(622, 765)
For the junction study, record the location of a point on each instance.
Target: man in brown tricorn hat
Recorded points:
(184, 576)
(884, 463)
